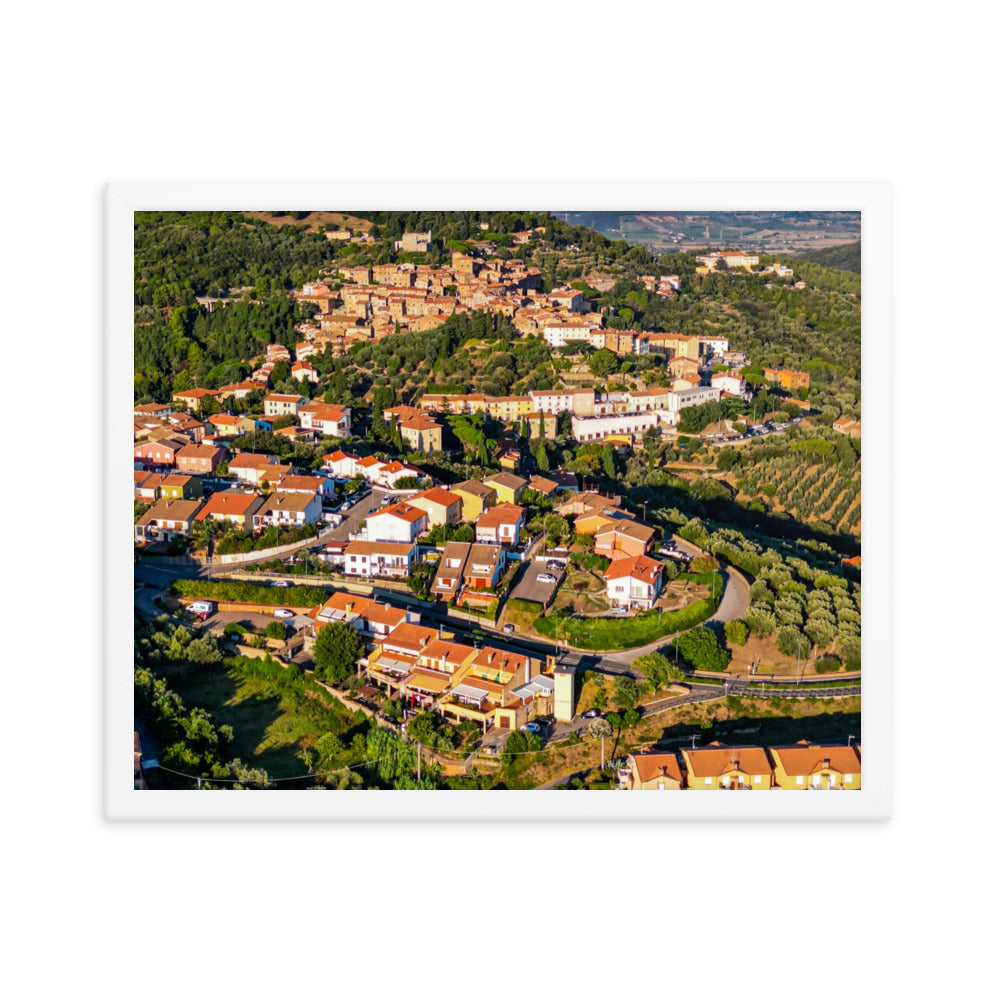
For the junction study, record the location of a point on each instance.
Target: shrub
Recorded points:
(737, 632)
(828, 664)
(700, 647)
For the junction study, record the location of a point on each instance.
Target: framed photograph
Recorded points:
(499, 491)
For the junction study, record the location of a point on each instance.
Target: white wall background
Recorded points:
(846, 92)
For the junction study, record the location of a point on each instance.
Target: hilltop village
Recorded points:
(471, 597)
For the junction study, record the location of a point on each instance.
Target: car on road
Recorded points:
(531, 727)
(553, 565)
(545, 578)
(346, 505)
(280, 583)
(592, 713)
(509, 628)
(283, 613)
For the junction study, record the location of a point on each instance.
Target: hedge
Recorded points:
(238, 590)
(624, 633)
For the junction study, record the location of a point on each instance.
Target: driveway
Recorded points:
(530, 588)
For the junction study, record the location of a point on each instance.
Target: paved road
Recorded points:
(735, 598)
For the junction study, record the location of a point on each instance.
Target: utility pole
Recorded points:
(419, 747)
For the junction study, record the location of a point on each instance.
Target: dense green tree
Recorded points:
(700, 647)
(337, 651)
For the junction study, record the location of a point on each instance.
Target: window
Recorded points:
(756, 779)
(799, 779)
(848, 777)
(708, 781)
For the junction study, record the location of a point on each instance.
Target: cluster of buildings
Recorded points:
(387, 545)
(634, 579)
(620, 416)
(800, 766)
(430, 671)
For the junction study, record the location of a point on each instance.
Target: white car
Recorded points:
(546, 578)
(283, 613)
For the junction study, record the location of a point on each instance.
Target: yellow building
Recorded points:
(509, 408)
(653, 771)
(806, 765)
(718, 766)
(421, 433)
(476, 498)
(509, 488)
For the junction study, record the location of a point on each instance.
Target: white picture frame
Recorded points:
(873, 801)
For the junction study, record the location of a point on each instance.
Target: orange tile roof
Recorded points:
(439, 495)
(638, 568)
(808, 758)
(403, 511)
(654, 765)
(227, 504)
(718, 759)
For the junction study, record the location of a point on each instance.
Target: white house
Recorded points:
(341, 465)
(634, 582)
(397, 523)
(728, 382)
(372, 559)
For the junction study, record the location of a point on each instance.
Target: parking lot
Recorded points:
(530, 588)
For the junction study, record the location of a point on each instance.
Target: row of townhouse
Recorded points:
(170, 517)
(431, 671)
(799, 766)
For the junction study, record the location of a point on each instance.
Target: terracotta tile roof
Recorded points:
(504, 513)
(408, 634)
(403, 511)
(649, 766)
(229, 504)
(438, 495)
(718, 759)
(808, 758)
(637, 568)
(249, 460)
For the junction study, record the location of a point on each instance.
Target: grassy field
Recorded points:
(622, 633)
(270, 727)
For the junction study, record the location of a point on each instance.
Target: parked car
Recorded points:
(546, 720)
(546, 578)
(280, 583)
(592, 713)
(283, 613)
(553, 565)
(509, 628)
(531, 727)
(346, 505)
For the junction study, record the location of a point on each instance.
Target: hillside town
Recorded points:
(467, 594)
